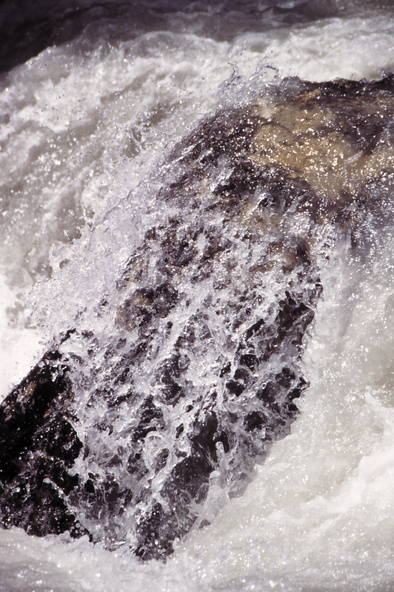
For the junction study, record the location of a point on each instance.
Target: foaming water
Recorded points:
(83, 127)
(319, 514)
(86, 122)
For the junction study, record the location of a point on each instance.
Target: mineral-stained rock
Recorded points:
(124, 438)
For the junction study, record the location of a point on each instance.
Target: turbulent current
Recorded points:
(197, 297)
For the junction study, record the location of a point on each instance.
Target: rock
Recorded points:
(124, 438)
(38, 447)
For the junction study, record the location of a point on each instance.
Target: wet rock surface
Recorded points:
(129, 438)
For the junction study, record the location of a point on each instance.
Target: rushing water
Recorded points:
(84, 126)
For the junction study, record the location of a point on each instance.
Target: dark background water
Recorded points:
(27, 27)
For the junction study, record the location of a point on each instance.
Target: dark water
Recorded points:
(27, 28)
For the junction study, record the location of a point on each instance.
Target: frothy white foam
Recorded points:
(321, 508)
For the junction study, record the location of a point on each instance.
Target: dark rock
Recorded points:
(38, 447)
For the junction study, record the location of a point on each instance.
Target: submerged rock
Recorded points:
(129, 437)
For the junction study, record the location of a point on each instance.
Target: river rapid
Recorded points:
(84, 127)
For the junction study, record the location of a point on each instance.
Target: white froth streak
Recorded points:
(19, 345)
(320, 511)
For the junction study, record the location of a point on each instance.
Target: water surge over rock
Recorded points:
(128, 434)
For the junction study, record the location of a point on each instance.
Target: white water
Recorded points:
(82, 125)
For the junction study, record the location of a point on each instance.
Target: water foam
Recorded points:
(320, 510)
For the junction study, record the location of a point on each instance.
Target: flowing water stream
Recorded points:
(85, 129)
